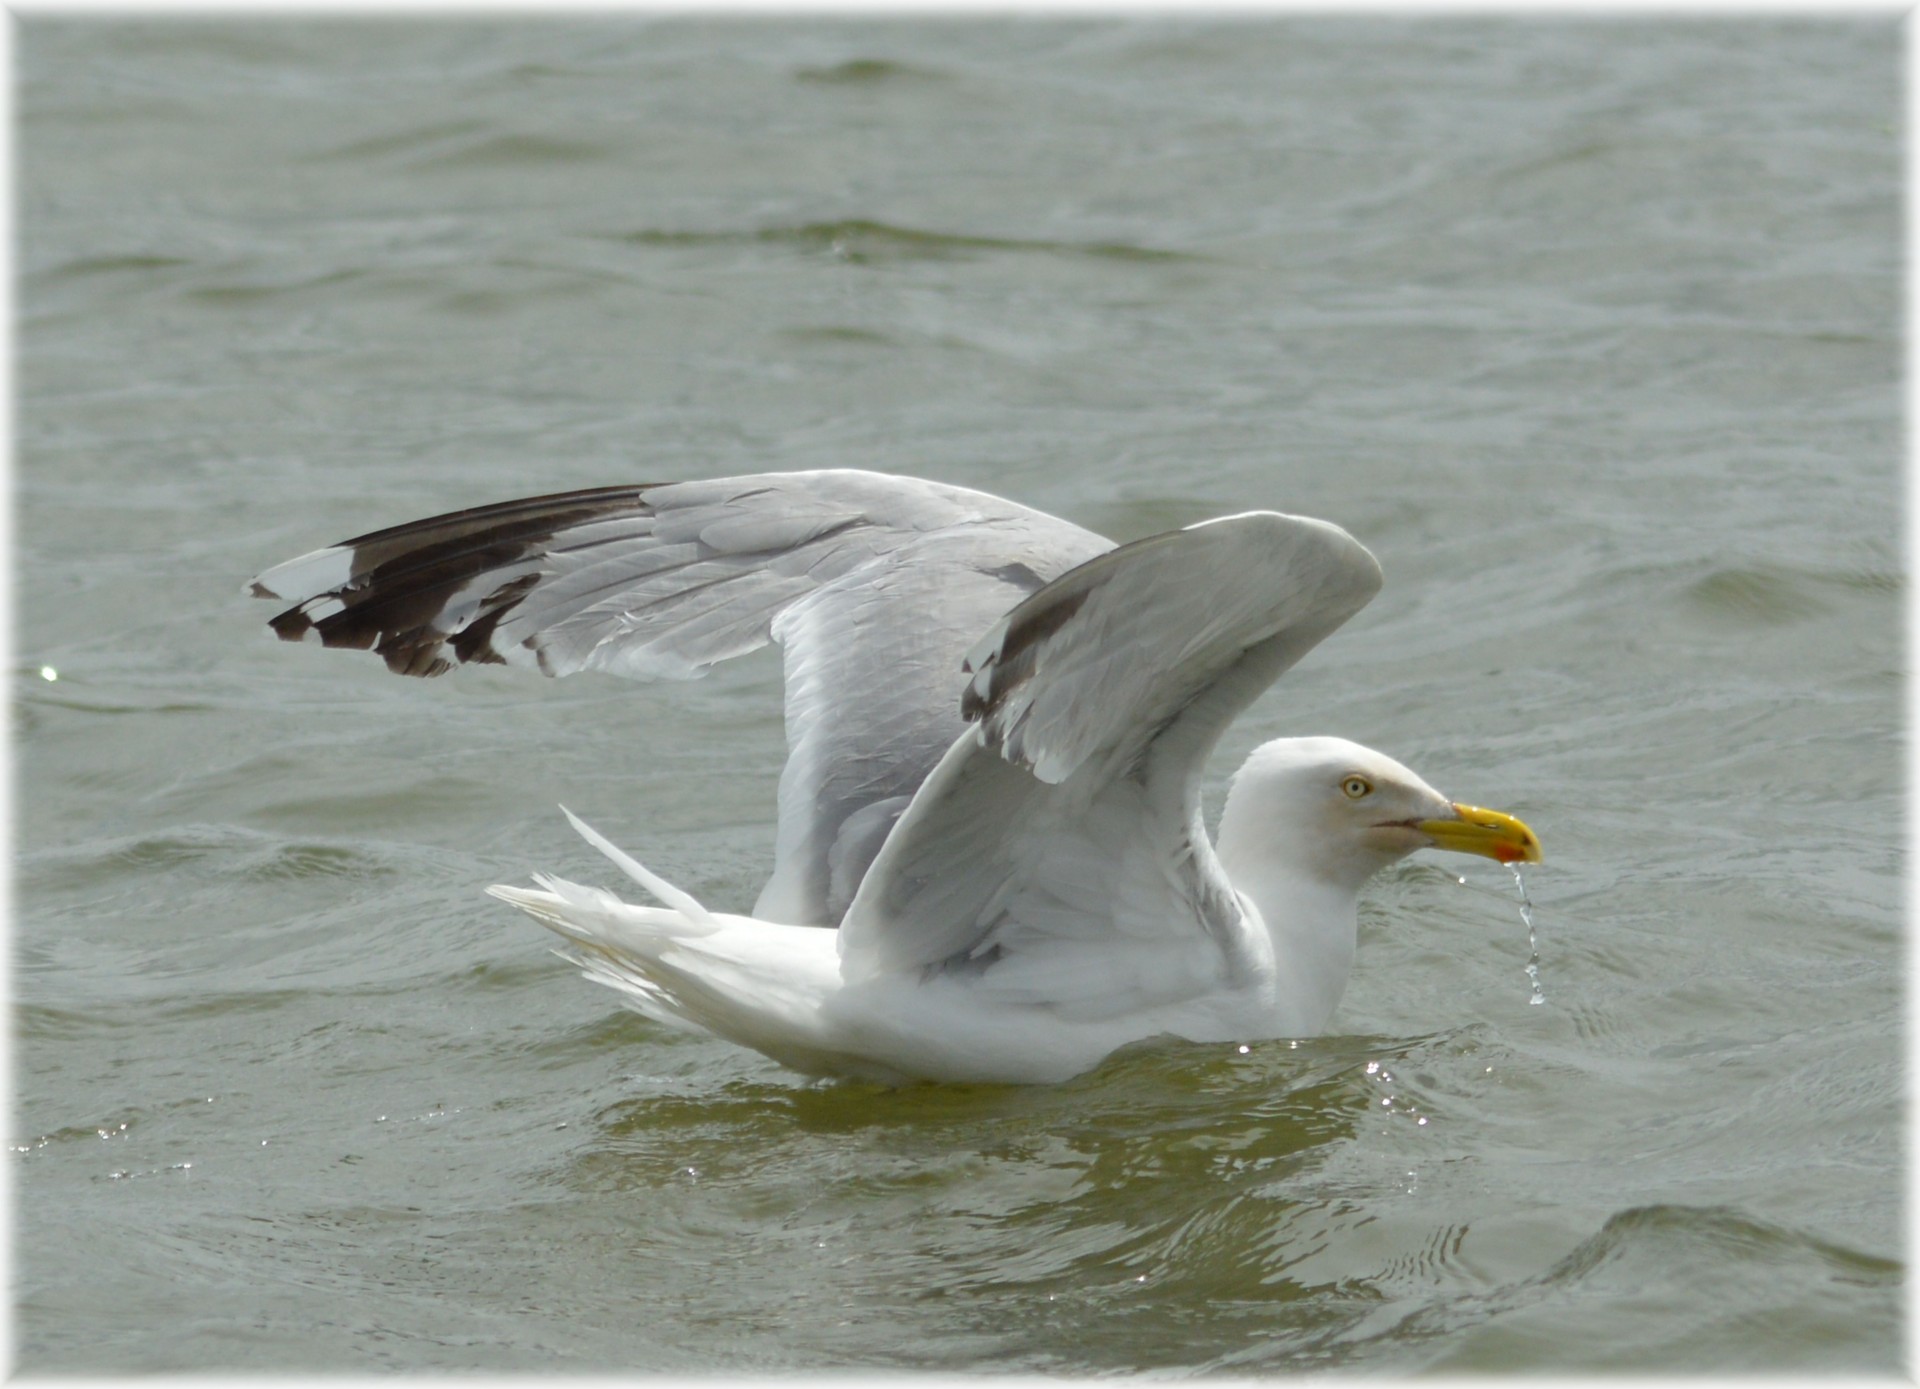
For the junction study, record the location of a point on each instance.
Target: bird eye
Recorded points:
(1356, 787)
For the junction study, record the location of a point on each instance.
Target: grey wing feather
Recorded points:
(875, 585)
(874, 678)
(1073, 814)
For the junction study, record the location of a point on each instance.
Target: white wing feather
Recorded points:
(1071, 816)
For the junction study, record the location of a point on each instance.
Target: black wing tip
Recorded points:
(545, 507)
(402, 578)
(291, 625)
(413, 652)
(415, 657)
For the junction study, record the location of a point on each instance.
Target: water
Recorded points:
(1589, 330)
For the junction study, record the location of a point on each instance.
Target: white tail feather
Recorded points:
(610, 941)
(683, 902)
(753, 982)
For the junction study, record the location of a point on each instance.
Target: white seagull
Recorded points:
(997, 724)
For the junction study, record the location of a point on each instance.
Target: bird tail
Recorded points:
(618, 943)
(749, 981)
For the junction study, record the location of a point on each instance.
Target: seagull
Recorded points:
(990, 863)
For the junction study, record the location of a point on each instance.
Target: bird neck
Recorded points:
(1309, 915)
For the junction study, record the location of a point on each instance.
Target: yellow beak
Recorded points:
(1485, 832)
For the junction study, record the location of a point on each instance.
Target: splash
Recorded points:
(1533, 940)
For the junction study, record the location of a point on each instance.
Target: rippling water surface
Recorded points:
(1589, 330)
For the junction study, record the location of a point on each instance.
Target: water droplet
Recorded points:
(1533, 940)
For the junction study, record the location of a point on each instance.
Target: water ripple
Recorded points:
(861, 241)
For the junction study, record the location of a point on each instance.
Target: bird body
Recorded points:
(997, 725)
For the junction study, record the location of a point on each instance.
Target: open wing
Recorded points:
(876, 586)
(1059, 855)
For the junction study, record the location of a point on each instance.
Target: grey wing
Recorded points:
(875, 585)
(1070, 823)
(874, 679)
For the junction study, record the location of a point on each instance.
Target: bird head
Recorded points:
(1344, 812)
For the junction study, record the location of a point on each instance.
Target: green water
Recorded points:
(1591, 331)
